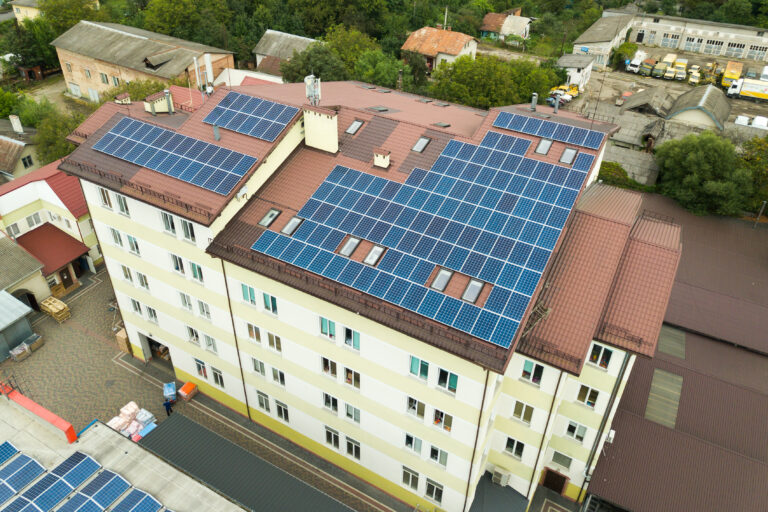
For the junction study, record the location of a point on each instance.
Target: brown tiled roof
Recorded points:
(270, 65)
(187, 97)
(430, 41)
(493, 21)
(10, 152)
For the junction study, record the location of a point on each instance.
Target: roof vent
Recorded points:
(216, 133)
(379, 109)
(442, 124)
(441, 104)
(368, 86)
(425, 100)
(383, 90)
(381, 158)
(123, 99)
(534, 100)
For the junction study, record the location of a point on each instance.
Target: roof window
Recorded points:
(373, 255)
(442, 124)
(383, 90)
(425, 100)
(568, 156)
(349, 246)
(292, 226)
(472, 292)
(379, 109)
(356, 124)
(421, 144)
(441, 104)
(269, 218)
(441, 279)
(543, 147)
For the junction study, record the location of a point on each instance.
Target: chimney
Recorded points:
(208, 68)
(16, 123)
(216, 133)
(439, 26)
(123, 99)
(381, 158)
(534, 99)
(168, 103)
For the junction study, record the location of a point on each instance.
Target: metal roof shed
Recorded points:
(14, 325)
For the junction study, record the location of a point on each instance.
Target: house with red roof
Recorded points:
(440, 45)
(45, 212)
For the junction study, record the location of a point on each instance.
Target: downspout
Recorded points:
(237, 346)
(603, 422)
(477, 436)
(544, 435)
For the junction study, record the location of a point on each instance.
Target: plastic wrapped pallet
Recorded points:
(136, 438)
(129, 411)
(134, 427)
(188, 390)
(145, 417)
(117, 423)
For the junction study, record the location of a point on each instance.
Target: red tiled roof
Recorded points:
(186, 96)
(493, 21)
(270, 65)
(67, 188)
(251, 80)
(430, 41)
(52, 246)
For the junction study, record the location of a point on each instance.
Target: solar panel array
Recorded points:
(549, 130)
(138, 501)
(17, 474)
(197, 162)
(252, 116)
(483, 210)
(7, 450)
(98, 494)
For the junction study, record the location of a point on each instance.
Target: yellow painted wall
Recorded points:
(36, 284)
(21, 12)
(322, 131)
(29, 150)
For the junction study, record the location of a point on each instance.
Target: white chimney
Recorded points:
(208, 68)
(16, 123)
(534, 100)
(381, 158)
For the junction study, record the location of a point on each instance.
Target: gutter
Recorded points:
(237, 346)
(477, 436)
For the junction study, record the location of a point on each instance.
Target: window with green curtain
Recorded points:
(270, 303)
(249, 295)
(453, 380)
(352, 338)
(414, 365)
(327, 327)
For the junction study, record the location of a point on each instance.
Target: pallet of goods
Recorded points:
(55, 308)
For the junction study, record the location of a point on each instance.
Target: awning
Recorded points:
(52, 246)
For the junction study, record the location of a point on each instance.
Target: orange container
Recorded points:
(188, 390)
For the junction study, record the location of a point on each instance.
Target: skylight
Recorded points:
(349, 246)
(292, 225)
(356, 124)
(379, 109)
(269, 218)
(420, 144)
(472, 291)
(441, 124)
(441, 279)
(543, 147)
(373, 255)
(568, 156)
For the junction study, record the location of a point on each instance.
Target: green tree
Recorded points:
(316, 60)
(30, 44)
(349, 44)
(137, 89)
(64, 14)
(51, 137)
(176, 18)
(376, 67)
(704, 174)
(418, 66)
(755, 157)
(8, 101)
(31, 112)
(620, 55)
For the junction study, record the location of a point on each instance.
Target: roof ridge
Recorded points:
(99, 25)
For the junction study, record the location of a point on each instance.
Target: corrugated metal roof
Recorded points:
(709, 99)
(10, 152)
(237, 474)
(604, 29)
(18, 264)
(281, 44)
(11, 309)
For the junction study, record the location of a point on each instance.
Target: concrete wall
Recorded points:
(469, 49)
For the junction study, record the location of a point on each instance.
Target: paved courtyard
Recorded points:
(81, 375)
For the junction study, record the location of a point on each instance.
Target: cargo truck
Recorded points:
(748, 89)
(647, 67)
(681, 70)
(637, 61)
(669, 74)
(764, 74)
(732, 72)
(670, 59)
(659, 70)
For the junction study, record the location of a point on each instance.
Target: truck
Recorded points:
(637, 61)
(681, 69)
(669, 74)
(647, 67)
(732, 72)
(764, 74)
(748, 89)
(670, 59)
(659, 70)
(695, 77)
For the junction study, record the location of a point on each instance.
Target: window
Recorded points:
(353, 448)
(419, 368)
(269, 218)
(197, 272)
(127, 273)
(472, 291)
(420, 144)
(254, 334)
(562, 460)
(434, 491)
(447, 380)
(115, 81)
(352, 338)
(441, 279)
(576, 431)
(600, 356)
(151, 315)
(186, 302)
(258, 367)
(349, 246)
(274, 342)
(413, 443)
(87, 73)
(104, 78)
(142, 280)
(356, 124)
(263, 400)
(69, 67)
(278, 376)
(543, 147)
(193, 336)
(735, 50)
(249, 295)
(670, 40)
(410, 478)
(66, 221)
(523, 412)
(177, 263)
(122, 204)
(330, 402)
(210, 343)
(713, 47)
(205, 309)
(442, 420)
(133, 245)
(291, 226)
(328, 328)
(201, 370)
(352, 378)
(353, 413)
(136, 306)
(33, 220)
(116, 238)
(532, 372)
(329, 367)
(569, 154)
(270, 303)
(218, 377)
(415, 407)
(756, 52)
(53, 217)
(515, 448)
(13, 229)
(188, 229)
(282, 411)
(587, 396)
(373, 255)
(168, 225)
(27, 161)
(438, 455)
(106, 201)
(331, 437)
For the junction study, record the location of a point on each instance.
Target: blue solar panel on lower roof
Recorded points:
(75, 503)
(502, 120)
(517, 122)
(7, 450)
(594, 139)
(262, 119)
(129, 503)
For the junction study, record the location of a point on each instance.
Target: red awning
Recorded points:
(52, 246)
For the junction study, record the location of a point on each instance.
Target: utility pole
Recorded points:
(445, 19)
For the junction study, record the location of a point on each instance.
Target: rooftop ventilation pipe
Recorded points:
(216, 134)
(534, 100)
(167, 93)
(557, 104)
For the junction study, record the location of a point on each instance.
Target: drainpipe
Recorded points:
(603, 423)
(544, 435)
(237, 346)
(477, 436)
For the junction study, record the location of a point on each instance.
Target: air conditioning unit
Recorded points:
(610, 436)
(500, 477)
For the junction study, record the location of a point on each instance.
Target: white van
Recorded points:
(637, 60)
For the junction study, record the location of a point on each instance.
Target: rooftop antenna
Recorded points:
(312, 87)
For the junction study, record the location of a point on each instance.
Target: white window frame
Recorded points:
(532, 373)
(348, 249)
(351, 377)
(515, 445)
(442, 420)
(269, 217)
(249, 294)
(13, 229)
(332, 437)
(352, 338)
(410, 478)
(278, 376)
(442, 279)
(196, 272)
(444, 378)
(142, 280)
(127, 275)
(169, 226)
(331, 403)
(292, 225)
(210, 343)
(270, 303)
(587, 394)
(177, 264)
(597, 355)
(106, 201)
(327, 328)
(521, 410)
(282, 411)
(152, 314)
(122, 204)
(415, 407)
(274, 342)
(218, 377)
(352, 412)
(263, 399)
(328, 366)
(193, 335)
(133, 245)
(353, 448)
(258, 367)
(420, 366)
(579, 431)
(188, 231)
(117, 238)
(186, 301)
(202, 370)
(136, 307)
(254, 332)
(557, 454)
(33, 220)
(413, 443)
(434, 491)
(438, 455)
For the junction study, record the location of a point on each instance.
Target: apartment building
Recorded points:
(309, 266)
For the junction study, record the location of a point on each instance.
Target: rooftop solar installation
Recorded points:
(138, 501)
(197, 162)
(7, 450)
(17, 474)
(98, 494)
(482, 210)
(252, 116)
(549, 129)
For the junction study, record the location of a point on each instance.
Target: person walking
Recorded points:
(168, 407)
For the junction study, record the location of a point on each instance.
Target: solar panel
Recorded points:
(591, 139)
(197, 162)
(98, 494)
(17, 474)
(7, 450)
(138, 501)
(251, 116)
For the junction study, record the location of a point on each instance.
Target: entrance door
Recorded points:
(555, 481)
(74, 89)
(640, 36)
(66, 277)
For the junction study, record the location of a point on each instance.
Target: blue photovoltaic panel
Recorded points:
(137, 501)
(16, 475)
(197, 162)
(549, 129)
(7, 450)
(482, 210)
(252, 116)
(98, 494)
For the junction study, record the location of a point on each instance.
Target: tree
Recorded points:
(137, 89)
(704, 174)
(171, 17)
(316, 60)
(418, 65)
(620, 55)
(51, 137)
(376, 67)
(8, 101)
(349, 44)
(64, 14)
(30, 43)
(755, 157)
(31, 112)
